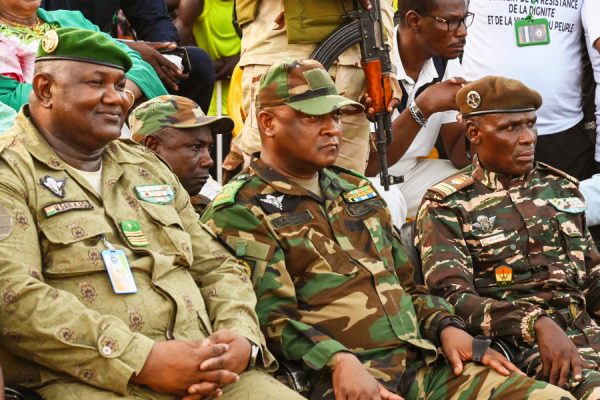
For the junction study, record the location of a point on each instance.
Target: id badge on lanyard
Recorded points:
(532, 32)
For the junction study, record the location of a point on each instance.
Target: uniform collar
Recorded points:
(493, 181)
(329, 182)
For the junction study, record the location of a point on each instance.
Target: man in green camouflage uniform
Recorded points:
(176, 129)
(505, 242)
(110, 288)
(334, 286)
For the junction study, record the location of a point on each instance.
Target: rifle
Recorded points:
(365, 27)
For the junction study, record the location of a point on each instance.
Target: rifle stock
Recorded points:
(366, 28)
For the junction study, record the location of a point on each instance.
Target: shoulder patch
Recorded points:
(558, 172)
(449, 186)
(229, 191)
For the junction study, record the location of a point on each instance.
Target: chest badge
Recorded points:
(155, 194)
(485, 224)
(132, 230)
(55, 186)
(503, 275)
(361, 194)
(275, 201)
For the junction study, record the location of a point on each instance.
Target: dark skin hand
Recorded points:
(224, 67)
(173, 367)
(560, 357)
(436, 98)
(168, 72)
(457, 346)
(351, 381)
(237, 356)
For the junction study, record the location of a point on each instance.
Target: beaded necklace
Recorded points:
(37, 28)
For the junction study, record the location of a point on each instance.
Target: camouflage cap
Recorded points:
(496, 95)
(82, 45)
(173, 111)
(303, 85)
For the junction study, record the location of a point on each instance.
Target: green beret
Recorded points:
(303, 85)
(82, 45)
(496, 95)
(172, 111)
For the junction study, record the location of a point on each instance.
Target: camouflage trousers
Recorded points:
(475, 383)
(253, 385)
(585, 334)
(350, 82)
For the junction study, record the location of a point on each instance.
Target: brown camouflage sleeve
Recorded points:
(448, 269)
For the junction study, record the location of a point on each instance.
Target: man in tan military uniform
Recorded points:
(271, 33)
(110, 287)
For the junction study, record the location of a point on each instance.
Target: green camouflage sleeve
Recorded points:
(277, 305)
(430, 309)
(448, 270)
(592, 284)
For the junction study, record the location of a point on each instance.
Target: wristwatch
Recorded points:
(254, 352)
(450, 321)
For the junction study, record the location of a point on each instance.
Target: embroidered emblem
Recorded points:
(132, 230)
(155, 194)
(55, 186)
(22, 220)
(77, 231)
(484, 223)
(50, 41)
(275, 201)
(58, 208)
(473, 99)
(361, 194)
(503, 275)
(490, 240)
(571, 205)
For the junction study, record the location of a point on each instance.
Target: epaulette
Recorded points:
(558, 172)
(348, 171)
(228, 192)
(449, 186)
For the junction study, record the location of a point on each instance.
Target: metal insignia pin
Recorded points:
(50, 41)
(473, 99)
(484, 223)
(276, 202)
(56, 186)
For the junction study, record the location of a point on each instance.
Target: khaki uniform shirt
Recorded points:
(60, 318)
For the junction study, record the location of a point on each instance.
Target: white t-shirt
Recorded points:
(554, 70)
(426, 137)
(590, 15)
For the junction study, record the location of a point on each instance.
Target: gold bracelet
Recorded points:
(130, 93)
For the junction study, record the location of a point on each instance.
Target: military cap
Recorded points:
(496, 95)
(173, 111)
(82, 45)
(303, 85)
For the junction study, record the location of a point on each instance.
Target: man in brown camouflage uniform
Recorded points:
(505, 241)
(334, 286)
(176, 129)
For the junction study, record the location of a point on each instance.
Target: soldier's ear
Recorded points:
(472, 131)
(265, 121)
(43, 89)
(151, 142)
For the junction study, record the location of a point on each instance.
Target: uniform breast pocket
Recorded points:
(572, 239)
(256, 254)
(168, 233)
(499, 245)
(71, 243)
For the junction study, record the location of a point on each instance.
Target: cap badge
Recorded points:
(50, 41)
(473, 99)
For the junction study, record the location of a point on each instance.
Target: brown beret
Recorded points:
(494, 95)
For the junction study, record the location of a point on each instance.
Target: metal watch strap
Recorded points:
(254, 352)
(417, 114)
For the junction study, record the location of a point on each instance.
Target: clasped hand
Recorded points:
(195, 370)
